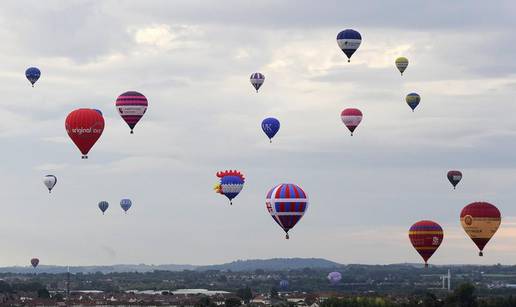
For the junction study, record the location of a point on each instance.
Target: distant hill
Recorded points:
(276, 264)
(239, 265)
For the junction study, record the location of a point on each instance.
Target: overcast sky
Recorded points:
(193, 59)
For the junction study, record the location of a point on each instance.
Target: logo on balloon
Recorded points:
(468, 220)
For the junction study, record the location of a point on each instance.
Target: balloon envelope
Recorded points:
(34, 262)
(84, 127)
(257, 80)
(349, 40)
(351, 118)
(286, 203)
(103, 206)
(231, 183)
(334, 277)
(413, 100)
(480, 221)
(49, 181)
(283, 284)
(454, 177)
(270, 127)
(131, 106)
(32, 74)
(426, 237)
(401, 64)
(126, 204)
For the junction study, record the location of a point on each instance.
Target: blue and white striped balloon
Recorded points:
(126, 204)
(257, 80)
(349, 40)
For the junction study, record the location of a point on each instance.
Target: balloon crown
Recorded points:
(230, 173)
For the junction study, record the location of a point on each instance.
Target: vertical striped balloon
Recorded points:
(286, 203)
(131, 106)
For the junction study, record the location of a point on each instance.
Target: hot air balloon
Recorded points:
(99, 111)
(270, 126)
(413, 100)
(426, 236)
(454, 177)
(103, 206)
(480, 220)
(349, 40)
(84, 126)
(286, 203)
(126, 204)
(257, 80)
(34, 262)
(401, 64)
(49, 181)
(231, 183)
(32, 74)
(131, 106)
(334, 277)
(351, 118)
(283, 284)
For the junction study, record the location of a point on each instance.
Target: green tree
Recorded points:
(232, 302)
(463, 296)
(43, 293)
(245, 294)
(274, 292)
(430, 300)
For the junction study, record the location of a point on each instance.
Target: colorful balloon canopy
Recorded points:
(480, 220)
(286, 203)
(32, 74)
(426, 236)
(454, 177)
(413, 100)
(349, 40)
(84, 127)
(34, 262)
(257, 80)
(401, 64)
(351, 118)
(270, 126)
(231, 183)
(126, 204)
(104, 205)
(49, 181)
(334, 277)
(131, 106)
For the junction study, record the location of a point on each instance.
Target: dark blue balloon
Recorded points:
(270, 126)
(32, 74)
(126, 204)
(283, 284)
(103, 205)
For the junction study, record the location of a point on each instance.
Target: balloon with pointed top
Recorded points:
(131, 106)
(401, 64)
(413, 100)
(84, 127)
(49, 181)
(286, 203)
(34, 262)
(126, 204)
(230, 185)
(257, 80)
(454, 177)
(270, 127)
(426, 237)
(32, 74)
(104, 205)
(349, 40)
(480, 221)
(351, 118)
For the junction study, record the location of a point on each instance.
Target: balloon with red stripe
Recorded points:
(351, 118)
(426, 237)
(454, 177)
(131, 106)
(286, 203)
(84, 127)
(480, 221)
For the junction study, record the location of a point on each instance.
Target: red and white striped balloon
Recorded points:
(351, 118)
